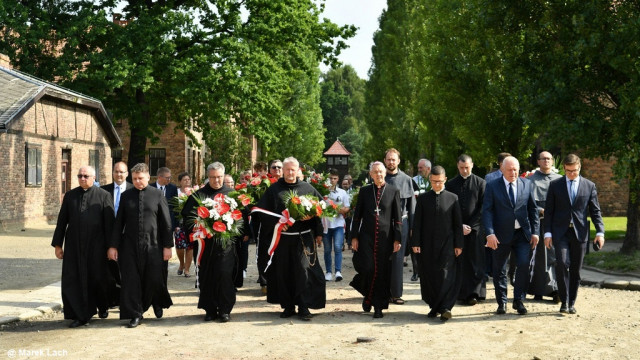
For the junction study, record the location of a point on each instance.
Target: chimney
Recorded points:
(4, 61)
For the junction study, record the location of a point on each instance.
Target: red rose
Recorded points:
(314, 181)
(255, 181)
(219, 226)
(265, 176)
(203, 212)
(295, 200)
(236, 215)
(246, 201)
(273, 180)
(253, 175)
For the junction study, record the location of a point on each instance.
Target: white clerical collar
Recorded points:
(465, 177)
(438, 192)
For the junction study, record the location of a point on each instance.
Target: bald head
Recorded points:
(510, 168)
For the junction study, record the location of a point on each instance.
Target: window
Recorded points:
(33, 165)
(329, 160)
(116, 156)
(94, 161)
(157, 159)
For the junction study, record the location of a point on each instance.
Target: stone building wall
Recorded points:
(613, 195)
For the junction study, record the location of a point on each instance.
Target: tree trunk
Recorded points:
(138, 144)
(632, 238)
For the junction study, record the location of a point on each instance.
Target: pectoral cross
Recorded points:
(377, 211)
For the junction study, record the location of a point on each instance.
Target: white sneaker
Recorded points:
(338, 276)
(244, 274)
(327, 276)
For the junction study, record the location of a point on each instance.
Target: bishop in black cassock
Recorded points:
(470, 190)
(437, 237)
(216, 273)
(84, 225)
(376, 234)
(295, 276)
(141, 242)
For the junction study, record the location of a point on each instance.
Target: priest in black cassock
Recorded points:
(404, 184)
(437, 237)
(84, 226)
(470, 190)
(376, 233)
(294, 275)
(141, 242)
(216, 272)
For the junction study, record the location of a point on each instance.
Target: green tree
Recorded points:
(196, 63)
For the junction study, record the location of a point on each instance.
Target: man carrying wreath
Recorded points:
(217, 264)
(294, 274)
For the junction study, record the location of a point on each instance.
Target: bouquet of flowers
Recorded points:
(353, 200)
(177, 202)
(218, 218)
(254, 188)
(330, 208)
(301, 206)
(318, 181)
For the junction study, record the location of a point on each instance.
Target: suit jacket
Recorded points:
(110, 187)
(170, 191)
(498, 215)
(558, 210)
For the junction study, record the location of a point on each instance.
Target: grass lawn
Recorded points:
(615, 229)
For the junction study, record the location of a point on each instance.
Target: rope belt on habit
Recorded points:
(296, 233)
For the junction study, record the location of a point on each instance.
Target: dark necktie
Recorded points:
(511, 197)
(117, 204)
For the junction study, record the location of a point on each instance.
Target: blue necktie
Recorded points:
(511, 197)
(573, 191)
(117, 197)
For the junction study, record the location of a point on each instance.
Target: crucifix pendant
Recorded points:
(377, 211)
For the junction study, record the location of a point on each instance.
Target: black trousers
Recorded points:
(569, 257)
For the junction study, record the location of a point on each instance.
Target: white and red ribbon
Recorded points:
(283, 219)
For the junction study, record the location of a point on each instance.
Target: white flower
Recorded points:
(228, 219)
(232, 202)
(208, 202)
(323, 204)
(305, 202)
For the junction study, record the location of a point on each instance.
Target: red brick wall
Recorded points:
(54, 127)
(612, 195)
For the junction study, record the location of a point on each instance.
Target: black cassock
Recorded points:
(84, 227)
(141, 232)
(376, 233)
(470, 193)
(217, 266)
(437, 230)
(295, 276)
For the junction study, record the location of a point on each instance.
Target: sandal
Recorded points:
(186, 274)
(179, 271)
(397, 301)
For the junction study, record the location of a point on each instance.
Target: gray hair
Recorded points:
(291, 159)
(375, 163)
(140, 168)
(90, 170)
(510, 159)
(163, 170)
(216, 165)
(426, 162)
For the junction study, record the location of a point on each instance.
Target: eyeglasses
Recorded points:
(120, 172)
(83, 176)
(545, 158)
(276, 167)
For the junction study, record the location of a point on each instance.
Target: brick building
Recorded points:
(46, 133)
(612, 195)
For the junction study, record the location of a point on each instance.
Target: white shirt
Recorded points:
(341, 197)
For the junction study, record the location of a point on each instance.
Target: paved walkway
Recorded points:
(30, 275)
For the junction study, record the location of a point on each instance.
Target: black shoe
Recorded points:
(304, 314)
(537, 298)
(472, 301)
(157, 310)
(572, 310)
(414, 277)
(519, 306)
(77, 323)
(377, 313)
(287, 313)
(445, 315)
(556, 299)
(134, 322)
(103, 314)
(366, 307)
(433, 313)
(210, 316)
(512, 279)
(564, 308)
(502, 309)
(225, 318)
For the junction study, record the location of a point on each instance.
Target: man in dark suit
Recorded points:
(163, 182)
(510, 219)
(116, 188)
(569, 201)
